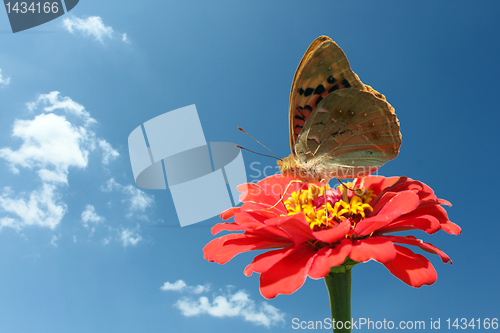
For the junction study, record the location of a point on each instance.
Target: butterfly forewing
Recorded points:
(323, 69)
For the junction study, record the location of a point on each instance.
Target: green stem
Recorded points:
(339, 289)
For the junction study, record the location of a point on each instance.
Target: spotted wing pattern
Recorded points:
(323, 69)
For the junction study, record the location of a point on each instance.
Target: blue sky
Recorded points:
(83, 249)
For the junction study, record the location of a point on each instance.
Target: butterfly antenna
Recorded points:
(241, 129)
(238, 146)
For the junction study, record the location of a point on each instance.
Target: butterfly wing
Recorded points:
(323, 69)
(350, 133)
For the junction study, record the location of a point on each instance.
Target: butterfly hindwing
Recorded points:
(350, 130)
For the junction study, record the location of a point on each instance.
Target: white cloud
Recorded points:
(49, 140)
(199, 289)
(110, 185)
(228, 304)
(53, 101)
(108, 153)
(93, 26)
(42, 207)
(178, 285)
(130, 237)
(52, 176)
(90, 26)
(6, 81)
(54, 239)
(90, 216)
(51, 143)
(136, 200)
(51, 146)
(181, 286)
(127, 236)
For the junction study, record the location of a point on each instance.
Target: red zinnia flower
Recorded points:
(308, 242)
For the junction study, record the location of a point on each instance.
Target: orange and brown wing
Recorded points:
(323, 69)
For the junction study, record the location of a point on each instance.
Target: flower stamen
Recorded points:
(331, 212)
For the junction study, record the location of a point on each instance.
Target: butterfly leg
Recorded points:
(325, 184)
(284, 192)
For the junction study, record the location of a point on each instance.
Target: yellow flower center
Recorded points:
(354, 208)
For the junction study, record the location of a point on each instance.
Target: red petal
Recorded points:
(402, 203)
(225, 226)
(295, 226)
(264, 261)
(288, 274)
(444, 202)
(270, 191)
(376, 248)
(413, 269)
(380, 202)
(250, 220)
(410, 240)
(407, 184)
(273, 232)
(439, 213)
(245, 187)
(264, 210)
(427, 223)
(253, 223)
(451, 228)
(333, 234)
(244, 221)
(259, 194)
(248, 190)
(329, 257)
(424, 191)
(228, 246)
(228, 213)
(375, 183)
(215, 244)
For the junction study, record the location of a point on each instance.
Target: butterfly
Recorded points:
(339, 127)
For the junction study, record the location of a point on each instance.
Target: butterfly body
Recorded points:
(315, 171)
(339, 127)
